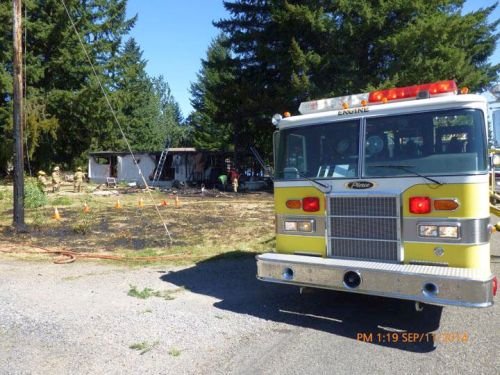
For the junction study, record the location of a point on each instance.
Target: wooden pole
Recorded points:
(18, 117)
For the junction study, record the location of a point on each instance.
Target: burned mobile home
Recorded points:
(183, 165)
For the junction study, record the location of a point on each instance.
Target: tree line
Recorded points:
(273, 54)
(66, 114)
(269, 56)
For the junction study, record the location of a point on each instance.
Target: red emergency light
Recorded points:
(399, 93)
(310, 204)
(420, 205)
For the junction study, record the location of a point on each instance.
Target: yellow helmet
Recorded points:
(41, 173)
(79, 168)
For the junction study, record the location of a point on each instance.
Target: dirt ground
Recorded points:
(147, 223)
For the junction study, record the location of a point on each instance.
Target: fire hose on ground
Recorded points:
(69, 256)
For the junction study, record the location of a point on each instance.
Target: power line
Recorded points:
(116, 119)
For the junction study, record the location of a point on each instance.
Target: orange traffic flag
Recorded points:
(141, 203)
(118, 204)
(177, 203)
(56, 215)
(164, 203)
(86, 208)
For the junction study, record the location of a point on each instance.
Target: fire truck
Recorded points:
(385, 193)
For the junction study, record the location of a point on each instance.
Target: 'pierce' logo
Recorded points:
(360, 185)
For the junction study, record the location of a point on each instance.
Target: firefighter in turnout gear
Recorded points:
(78, 180)
(234, 177)
(42, 180)
(56, 180)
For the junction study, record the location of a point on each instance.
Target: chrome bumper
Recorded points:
(428, 284)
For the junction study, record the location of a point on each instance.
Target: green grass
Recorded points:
(148, 293)
(143, 294)
(174, 352)
(144, 346)
(61, 201)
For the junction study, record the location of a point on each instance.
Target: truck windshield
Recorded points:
(319, 151)
(428, 143)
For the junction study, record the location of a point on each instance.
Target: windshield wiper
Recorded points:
(406, 168)
(323, 187)
(327, 188)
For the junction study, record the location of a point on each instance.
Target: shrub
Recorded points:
(34, 197)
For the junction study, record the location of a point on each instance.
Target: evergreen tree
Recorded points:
(287, 51)
(212, 128)
(145, 107)
(5, 85)
(64, 105)
(171, 123)
(133, 100)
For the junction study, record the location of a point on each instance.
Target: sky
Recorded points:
(175, 34)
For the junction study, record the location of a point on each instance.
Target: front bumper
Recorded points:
(428, 284)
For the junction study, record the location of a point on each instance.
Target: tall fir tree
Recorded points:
(287, 51)
(63, 105)
(172, 128)
(59, 75)
(212, 127)
(133, 100)
(66, 113)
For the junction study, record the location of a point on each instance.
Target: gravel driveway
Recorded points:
(78, 319)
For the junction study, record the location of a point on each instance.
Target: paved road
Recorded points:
(77, 318)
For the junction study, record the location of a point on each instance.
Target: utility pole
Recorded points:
(18, 117)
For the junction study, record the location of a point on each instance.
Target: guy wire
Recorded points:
(116, 119)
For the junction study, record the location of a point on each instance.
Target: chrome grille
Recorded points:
(364, 227)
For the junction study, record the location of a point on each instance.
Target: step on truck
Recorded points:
(385, 193)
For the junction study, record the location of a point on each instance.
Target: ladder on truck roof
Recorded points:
(161, 164)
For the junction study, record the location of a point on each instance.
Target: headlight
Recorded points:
(427, 230)
(441, 231)
(448, 231)
(291, 226)
(299, 226)
(305, 226)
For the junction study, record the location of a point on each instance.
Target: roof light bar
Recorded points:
(412, 92)
(330, 104)
(380, 97)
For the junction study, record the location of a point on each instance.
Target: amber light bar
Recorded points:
(408, 92)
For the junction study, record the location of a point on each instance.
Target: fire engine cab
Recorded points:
(385, 193)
